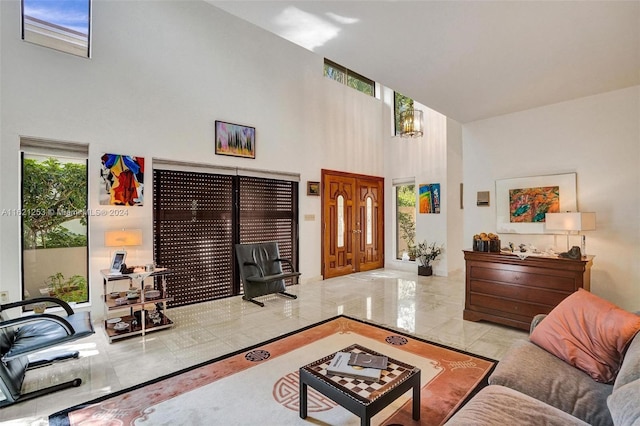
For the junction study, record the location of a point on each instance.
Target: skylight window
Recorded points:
(58, 24)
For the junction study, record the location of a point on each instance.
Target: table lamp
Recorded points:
(571, 222)
(123, 238)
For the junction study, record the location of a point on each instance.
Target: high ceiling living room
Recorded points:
(529, 91)
(468, 60)
(514, 82)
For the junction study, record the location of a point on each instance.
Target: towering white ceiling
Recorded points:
(467, 59)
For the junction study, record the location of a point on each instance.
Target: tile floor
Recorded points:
(428, 307)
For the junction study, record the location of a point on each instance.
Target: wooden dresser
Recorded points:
(504, 289)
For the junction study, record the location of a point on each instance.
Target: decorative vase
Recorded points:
(425, 271)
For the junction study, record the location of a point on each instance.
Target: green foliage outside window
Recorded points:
(407, 196)
(72, 289)
(406, 223)
(54, 216)
(334, 73)
(401, 104)
(53, 193)
(362, 86)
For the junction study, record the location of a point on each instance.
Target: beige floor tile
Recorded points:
(428, 307)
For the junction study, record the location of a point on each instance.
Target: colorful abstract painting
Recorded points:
(122, 179)
(429, 197)
(236, 140)
(529, 205)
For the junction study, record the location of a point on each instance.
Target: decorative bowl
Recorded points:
(111, 322)
(152, 294)
(121, 326)
(114, 294)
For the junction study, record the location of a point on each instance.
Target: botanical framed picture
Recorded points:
(313, 188)
(429, 196)
(122, 180)
(235, 139)
(521, 203)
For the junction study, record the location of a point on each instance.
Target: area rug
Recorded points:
(259, 385)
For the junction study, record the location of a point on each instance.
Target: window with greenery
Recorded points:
(346, 76)
(59, 24)
(405, 220)
(54, 227)
(401, 104)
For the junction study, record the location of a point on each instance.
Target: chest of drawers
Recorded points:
(505, 289)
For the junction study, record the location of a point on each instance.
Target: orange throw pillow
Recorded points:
(589, 333)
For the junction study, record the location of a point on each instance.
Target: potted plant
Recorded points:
(425, 254)
(73, 289)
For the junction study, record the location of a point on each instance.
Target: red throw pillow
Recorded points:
(589, 333)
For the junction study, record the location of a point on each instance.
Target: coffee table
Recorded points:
(362, 398)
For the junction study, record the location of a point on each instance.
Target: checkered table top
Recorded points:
(363, 390)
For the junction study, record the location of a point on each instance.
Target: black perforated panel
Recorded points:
(268, 212)
(196, 226)
(193, 222)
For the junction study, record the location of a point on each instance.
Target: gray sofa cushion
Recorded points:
(624, 404)
(630, 368)
(531, 370)
(498, 405)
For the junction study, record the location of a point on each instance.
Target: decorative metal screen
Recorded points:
(196, 227)
(193, 221)
(269, 212)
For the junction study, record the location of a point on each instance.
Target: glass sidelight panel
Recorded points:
(369, 220)
(340, 239)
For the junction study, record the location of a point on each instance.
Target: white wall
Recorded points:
(598, 138)
(455, 214)
(160, 74)
(425, 159)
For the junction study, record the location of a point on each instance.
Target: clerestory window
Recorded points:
(346, 76)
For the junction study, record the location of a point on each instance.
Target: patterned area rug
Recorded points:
(259, 385)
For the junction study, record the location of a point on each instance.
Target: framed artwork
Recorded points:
(521, 203)
(313, 188)
(122, 178)
(429, 198)
(236, 140)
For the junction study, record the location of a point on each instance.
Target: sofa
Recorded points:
(531, 386)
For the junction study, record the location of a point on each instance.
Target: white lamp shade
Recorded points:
(570, 221)
(122, 238)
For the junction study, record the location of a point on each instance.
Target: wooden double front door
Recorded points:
(352, 223)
